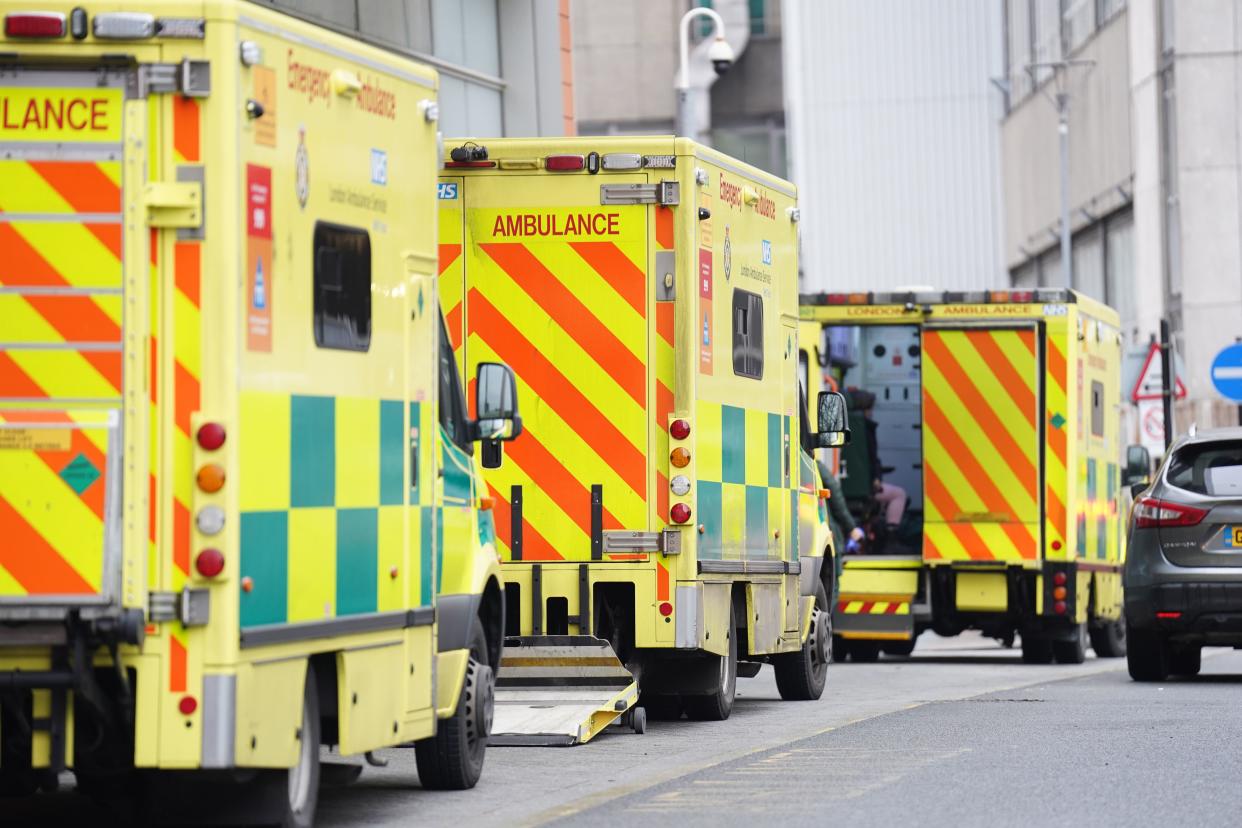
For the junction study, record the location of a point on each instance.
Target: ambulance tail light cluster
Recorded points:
(1152, 512)
(679, 483)
(210, 480)
(32, 25)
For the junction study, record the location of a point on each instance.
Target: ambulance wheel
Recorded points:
(717, 705)
(1036, 650)
(864, 652)
(1147, 655)
(1186, 661)
(840, 649)
(661, 708)
(1073, 650)
(1108, 639)
(898, 648)
(296, 791)
(801, 676)
(452, 760)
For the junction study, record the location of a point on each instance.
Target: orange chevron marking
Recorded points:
(535, 546)
(1056, 364)
(625, 277)
(82, 184)
(596, 429)
(664, 227)
(994, 430)
(546, 472)
(181, 536)
(32, 561)
(187, 397)
(1018, 387)
(185, 128)
(187, 266)
(448, 255)
(592, 335)
(176, 665)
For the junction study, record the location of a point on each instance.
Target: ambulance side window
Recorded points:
(342, 287)
(1097, 408)
(747, 334)
(452, 403)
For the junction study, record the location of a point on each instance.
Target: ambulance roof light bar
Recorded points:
(943, 297)
(34, 25)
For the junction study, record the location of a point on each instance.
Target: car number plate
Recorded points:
(1232, 536)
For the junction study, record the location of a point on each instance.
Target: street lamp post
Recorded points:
(693, 115)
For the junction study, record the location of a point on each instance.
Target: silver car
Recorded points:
(1183, 572)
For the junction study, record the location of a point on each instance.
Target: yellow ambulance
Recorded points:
(660, 518)
(995, 415)
(241, 514)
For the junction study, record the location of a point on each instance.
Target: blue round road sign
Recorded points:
(1227, 372)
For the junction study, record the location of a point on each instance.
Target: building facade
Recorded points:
(893, 140)
(505, 65)
(1155, 169)
(625, 62)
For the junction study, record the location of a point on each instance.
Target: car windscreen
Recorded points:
(1213, 469)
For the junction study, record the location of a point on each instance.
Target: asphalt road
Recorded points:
(961, 734)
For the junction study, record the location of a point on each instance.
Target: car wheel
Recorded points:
(1108, 639)
(1147, 655)
(1186, 661)
(717, 705)
(452, 760)
(1073, 651)
(801, 676)
(1036, 650)
(295, 792)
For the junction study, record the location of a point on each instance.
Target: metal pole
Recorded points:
(687, 114)
(1167, 384)
(1067, 263)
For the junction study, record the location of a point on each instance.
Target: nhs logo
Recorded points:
(379, 167)
(446, 191)
(767, 251)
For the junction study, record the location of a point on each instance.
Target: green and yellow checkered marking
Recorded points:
(743, 482)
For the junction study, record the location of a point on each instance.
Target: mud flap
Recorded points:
(876, 596)
(559, 690)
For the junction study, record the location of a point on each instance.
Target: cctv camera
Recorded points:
(721, 55)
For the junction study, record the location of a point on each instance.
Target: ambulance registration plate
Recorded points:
(1232, 536)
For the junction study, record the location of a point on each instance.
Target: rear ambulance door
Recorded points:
(69, 302)
(558, 290)
(982, 433)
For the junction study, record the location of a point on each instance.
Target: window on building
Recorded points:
(1077, 22)
(1119, 271)
(1088, 257)
(747, 334)
(342, 287)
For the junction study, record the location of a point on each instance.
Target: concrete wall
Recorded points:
(892, 121)
(1101, 164)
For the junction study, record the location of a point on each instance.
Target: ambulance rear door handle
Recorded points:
(174, 204)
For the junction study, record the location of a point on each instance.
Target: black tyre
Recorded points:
(295, 792)
(840, 648)
(864, 651)
(717, 705)
(898, 648)
(801, 676)
(452, 760)
(661, 708)
(1147, 655)
(1186, 661)
(1108, 639)
(1074, 650)
(1036, 650)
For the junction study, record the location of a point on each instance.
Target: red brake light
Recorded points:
(1059, 608)
(1022, 297)
(211, 436)
(1168, 616)
(679, 430)
(1059, 578)
(680, 513)
(564, 163)
(187, 705)
(838, 298)
(35, 24)
(666, 609)
(209, 563)
(1151, 512)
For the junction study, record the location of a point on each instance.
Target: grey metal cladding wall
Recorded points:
(894, 141)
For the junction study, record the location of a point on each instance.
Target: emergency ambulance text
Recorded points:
(574, 224)
(308, 80)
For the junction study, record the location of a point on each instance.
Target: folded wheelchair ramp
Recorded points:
(559, 690)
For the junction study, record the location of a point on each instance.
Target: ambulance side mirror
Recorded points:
(833, 416)
(1138, 469)
(496, 404)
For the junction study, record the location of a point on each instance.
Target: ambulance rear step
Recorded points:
(877, 596)
(560, 690)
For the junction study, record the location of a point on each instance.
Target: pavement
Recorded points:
(963, 734)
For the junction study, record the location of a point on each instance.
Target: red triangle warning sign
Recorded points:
(1150, 383)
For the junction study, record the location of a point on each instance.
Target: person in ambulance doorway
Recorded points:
(890, 499)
